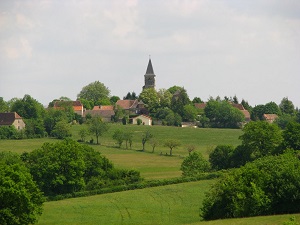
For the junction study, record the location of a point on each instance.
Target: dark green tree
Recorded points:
(3, 105)
(179, 100)
(197, 100)
(287, 106)
(272, 108)
(194, 164)
(261, 138)
(58, 168)
(119, 137)
(220, 157)
(266, 186)
(291, 136)
(114, 99)
(28, 108)
(21, 200)
(223, 115)
(257, 112)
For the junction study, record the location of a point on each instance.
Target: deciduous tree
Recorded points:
(94, 92)
(172, 143)
(97, 127)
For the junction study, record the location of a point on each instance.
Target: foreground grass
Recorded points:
(172, 204)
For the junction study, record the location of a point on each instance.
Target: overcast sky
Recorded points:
(247, 48)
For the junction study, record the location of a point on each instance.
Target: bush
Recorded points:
(269, 185)
(194, 164)
(220, 157)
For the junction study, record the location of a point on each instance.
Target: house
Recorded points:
(132, 106)
(76, 105)
(12, 119)
(270, 117)
(145, 120)
(106, 112)
(189, 124)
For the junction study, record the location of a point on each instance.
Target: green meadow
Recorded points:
(155, 165)
(171, 204)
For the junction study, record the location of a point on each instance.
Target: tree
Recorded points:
(189, 113)
(3, 105)
(28, 108)
(53, 116)
(197, 100)
(154, 143)
(190, 148)
(62, 130)
(119, 137)
(220, 157)
(21, 200)
(150, 97)
(83, 132)
(272, 108)
(97, 127)
(35, 128)
(194, 164)
(287, 106)
(261, 138)
(172, 143)
(146, 137)
(223, 115)
(114, 99)
(128, 135)
(179, 100)
(58, 168)
(94, 92)
(165, 98)
(130, 96)
(291, 136)
(257, 112)
(266, 186)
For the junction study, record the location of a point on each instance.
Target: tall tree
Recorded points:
(97, 127)
(95, 92)
(3, 105)
(28, 108)
(287, 106)
(261, 138)
(147, 135)
(21, 200)
(150, 97)
(179, 100)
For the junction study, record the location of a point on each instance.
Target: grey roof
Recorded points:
(149, 68)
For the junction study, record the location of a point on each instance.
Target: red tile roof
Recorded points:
(104, 107)
(200, 105)
(127, 104)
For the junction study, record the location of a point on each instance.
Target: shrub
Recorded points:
(269, 185)
(194, 164)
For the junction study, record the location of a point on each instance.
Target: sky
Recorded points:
(247, 48)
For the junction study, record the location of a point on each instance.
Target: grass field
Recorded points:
(151, 165)
(172, 204)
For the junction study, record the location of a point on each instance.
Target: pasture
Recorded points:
(172, 204)
(157, 165)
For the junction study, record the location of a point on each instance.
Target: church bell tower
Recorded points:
(149, 76)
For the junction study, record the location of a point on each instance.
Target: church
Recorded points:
(149, 76)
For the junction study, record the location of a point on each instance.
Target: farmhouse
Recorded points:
(106, 112)
(133, 107)
(12, 119)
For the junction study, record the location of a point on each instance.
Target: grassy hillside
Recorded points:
(151, 165)
(172, 204)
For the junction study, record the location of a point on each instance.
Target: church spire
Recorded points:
(149, 68)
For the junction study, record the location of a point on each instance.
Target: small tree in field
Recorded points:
(172, 143)
(154, 143)
(128, 138)
(97, 127)
(119, 137)
(190, 148)
(146, 137)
